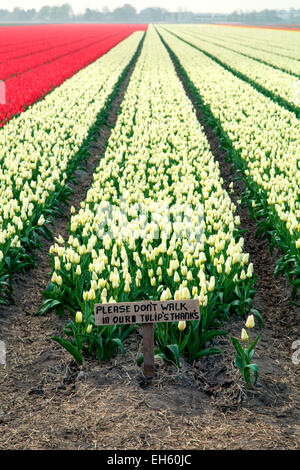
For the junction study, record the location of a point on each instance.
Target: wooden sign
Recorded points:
(126, 313)
(147, 312)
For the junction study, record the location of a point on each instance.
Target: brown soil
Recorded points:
(48, 402)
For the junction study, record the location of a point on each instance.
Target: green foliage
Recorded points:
(88, 339)
(243, 357)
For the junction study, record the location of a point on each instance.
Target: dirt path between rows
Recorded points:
(48, 402)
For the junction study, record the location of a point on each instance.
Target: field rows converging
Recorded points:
(30, 40)
(156, 222)
(263, 139)
(30, 72)
(276, 84)
(40, 149)
(252, 47)
(255, 42)
(19, 65)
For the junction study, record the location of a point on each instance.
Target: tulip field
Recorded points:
(150, 165)
(157, 221)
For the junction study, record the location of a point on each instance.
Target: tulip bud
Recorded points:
(41, 220)
(56, 264)
(91, 267)
(89, 328)
(235, 258)
(202, 257)
(166, 294)
(250, 270)
(181, 325)
(189, 261)
(59, 240)
(127, 287)
(250, 321)
(78, 270)
(185, 293)
(184, 270)
(74, 226)
(92, 294)
(60, 251)
(170, 272)
(227, 268)
(194, 291)
(78, 317)
(211, 284)
(244, 335)
(245, 258)
(94, 284)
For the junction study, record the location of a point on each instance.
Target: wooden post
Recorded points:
(148, 342)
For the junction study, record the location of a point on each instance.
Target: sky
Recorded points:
(213, 6)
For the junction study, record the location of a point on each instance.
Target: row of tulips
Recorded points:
(40, 150)
(263, 140)
(156, 224)
(277, 56)
(275, 83)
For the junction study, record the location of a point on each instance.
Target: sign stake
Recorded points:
(148, 343)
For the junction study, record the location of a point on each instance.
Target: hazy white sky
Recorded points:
(221, 6)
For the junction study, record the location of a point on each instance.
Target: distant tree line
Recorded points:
(128, 14)
(290, 16)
